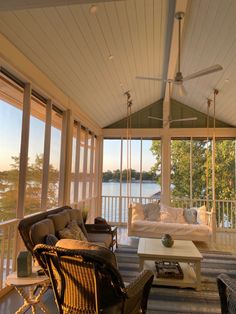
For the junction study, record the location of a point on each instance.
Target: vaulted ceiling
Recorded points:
(95, 57)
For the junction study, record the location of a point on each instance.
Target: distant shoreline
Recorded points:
(133, 181)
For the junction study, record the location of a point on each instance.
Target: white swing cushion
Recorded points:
(172, 214)
(152, 211)
(137, 212)
(179, 229)
(201, 215)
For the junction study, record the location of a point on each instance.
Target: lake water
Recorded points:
(113, 188)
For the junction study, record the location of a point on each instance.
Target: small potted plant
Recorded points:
(85, 213)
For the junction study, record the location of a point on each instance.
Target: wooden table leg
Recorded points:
(198, 274)
(31, 300)
(116, 240)
(141, 262)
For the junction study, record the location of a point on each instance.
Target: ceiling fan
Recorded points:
(173, 120)
(179, 79)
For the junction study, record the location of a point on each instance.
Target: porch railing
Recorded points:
(115, 209)
(8, 249)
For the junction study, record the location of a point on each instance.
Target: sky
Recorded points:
(111, 155)
(10, 137)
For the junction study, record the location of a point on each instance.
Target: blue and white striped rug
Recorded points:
(167, 300)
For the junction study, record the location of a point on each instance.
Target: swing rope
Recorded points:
(207, 153)
(128, 139)
(214, 152)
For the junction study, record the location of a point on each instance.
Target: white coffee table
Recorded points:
(184, 252)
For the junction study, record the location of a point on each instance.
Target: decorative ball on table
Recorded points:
(167, 240)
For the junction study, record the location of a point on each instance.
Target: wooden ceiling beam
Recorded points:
(11, 5)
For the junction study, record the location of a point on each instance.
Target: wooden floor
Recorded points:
(225, 242)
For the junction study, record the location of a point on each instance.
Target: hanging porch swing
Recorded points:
(205, 230)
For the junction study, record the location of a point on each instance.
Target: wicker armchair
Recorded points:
(227, 292)
(86, 283)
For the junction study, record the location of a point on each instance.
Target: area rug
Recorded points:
(167, 300)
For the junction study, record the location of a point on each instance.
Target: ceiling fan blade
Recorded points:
(181, 90)
(184, 119)
(155, 118)
(150, 78)
(212, 69)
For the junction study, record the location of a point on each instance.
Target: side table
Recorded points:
(32, 282)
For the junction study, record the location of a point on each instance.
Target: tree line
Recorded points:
(115, 175)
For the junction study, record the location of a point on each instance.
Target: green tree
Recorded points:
(9, 181)
(180, 168)
(225, 169)
(9, 188)
(156, 168)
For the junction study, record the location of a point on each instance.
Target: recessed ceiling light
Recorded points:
(93, 9)
(111, 57)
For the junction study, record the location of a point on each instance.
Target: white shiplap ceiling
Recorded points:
(209, 37)
(72, 47)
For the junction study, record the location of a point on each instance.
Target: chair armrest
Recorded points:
(224, 283)
(139, 282)
(138, 291)
(97, 228)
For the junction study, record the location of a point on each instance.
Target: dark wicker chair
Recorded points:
(86, 283)
(227, 292)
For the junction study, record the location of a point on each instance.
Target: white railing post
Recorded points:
(8, 249)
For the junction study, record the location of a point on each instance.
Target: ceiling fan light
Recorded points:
(93, 9)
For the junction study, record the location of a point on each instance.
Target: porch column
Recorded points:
(77, 166)
(98, 175)
(46, 156)
(24, 150)
(165, 153)
(65, 162)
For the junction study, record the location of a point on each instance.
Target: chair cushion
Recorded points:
(105, 238)
(84, 245)
(40, 230)
(77, 231)
(190, 215)
(60, 220)
(51, 239)
(76, 214)
(152, 211)
(72, 231)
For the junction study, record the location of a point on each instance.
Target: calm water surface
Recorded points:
(113, 189)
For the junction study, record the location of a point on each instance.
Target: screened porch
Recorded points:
(110, 103)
